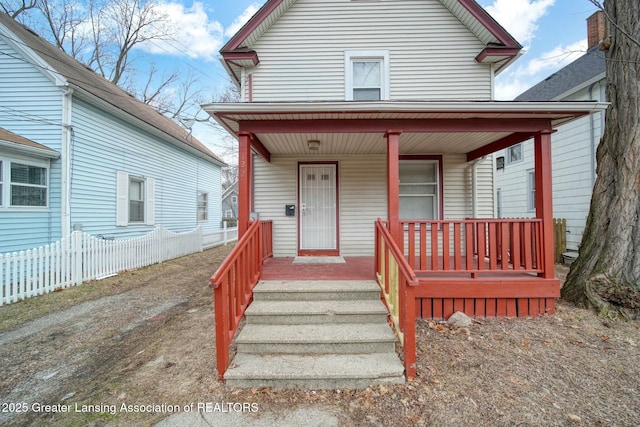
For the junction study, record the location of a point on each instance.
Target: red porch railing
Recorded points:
(397, 282)
(474, 246)
(234, 282)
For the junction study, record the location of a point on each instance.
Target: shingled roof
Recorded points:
(583, 70)
(11, 140)
(81, 78)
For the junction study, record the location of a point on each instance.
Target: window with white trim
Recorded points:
(419, 189)
(514, 154)
(24, 183)
(367, 75)
(135, 203)
(228, 213)
(234, 199)
(531, 190)
(203, 206)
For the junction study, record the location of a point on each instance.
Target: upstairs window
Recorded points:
(366, 75)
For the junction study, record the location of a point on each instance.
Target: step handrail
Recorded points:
(233, 284)
(397, 281)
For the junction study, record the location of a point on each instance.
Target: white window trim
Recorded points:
(351, 55)
(5, 181)
(437, 183)
(206, 206)
(531, 192)
(507, 154)
(122, 200)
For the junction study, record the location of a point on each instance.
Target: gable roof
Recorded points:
(67, 71)
(12, 141)
(585, 70)
(501, 48)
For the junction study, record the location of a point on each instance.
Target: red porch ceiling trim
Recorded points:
(260, 148)
(500, 144)
(383, 125)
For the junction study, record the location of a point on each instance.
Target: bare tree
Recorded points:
(103, 35)
(606, 274)
(16, 8)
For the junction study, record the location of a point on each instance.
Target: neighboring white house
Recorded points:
(573, 147)
(79, 153)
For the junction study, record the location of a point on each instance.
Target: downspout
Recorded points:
(592, 138)
(474, 186)
(65, 208)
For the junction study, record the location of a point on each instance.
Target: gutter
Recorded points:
(67, 143)
(33, 151)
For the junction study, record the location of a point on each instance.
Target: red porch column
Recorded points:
(393, 189)
(244, 182)
(544, 199)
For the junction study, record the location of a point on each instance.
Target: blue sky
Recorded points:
(553, 33)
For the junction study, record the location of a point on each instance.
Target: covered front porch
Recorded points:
(459, 257)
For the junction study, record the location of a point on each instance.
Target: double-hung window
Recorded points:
(420, 189)
(135, 203)
(367, 75)
(514, 154)
(203, 206)
(24, 184)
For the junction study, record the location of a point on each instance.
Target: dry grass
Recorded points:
(151, 340)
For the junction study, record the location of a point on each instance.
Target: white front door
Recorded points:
(318, 207)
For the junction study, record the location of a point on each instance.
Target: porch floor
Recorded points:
(354, 268)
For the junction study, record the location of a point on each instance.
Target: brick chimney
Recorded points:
(595, 29)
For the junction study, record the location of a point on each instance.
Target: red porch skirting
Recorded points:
(486, 297)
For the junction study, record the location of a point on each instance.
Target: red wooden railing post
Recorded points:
(234, 282)
(409, 329)
(544, 201)
(221, 314)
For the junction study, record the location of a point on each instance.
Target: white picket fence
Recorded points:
(81, 257)
(221, 237)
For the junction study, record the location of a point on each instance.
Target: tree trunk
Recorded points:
(606, 274)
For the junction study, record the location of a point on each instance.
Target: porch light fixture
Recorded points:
(313, 144)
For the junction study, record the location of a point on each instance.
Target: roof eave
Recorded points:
(46, 153)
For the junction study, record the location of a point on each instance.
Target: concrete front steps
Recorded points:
(315, 335)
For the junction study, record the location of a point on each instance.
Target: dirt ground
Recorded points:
(145, 339)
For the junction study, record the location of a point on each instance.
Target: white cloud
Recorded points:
(517, 79)
(195, 36)
(519, 17)
(242, 19)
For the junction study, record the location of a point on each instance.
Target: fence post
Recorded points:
(76, 258)
(224, 233)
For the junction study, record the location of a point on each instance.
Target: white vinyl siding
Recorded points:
(431, 54)
(573, 165)
(362, 197)
(30, 106)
